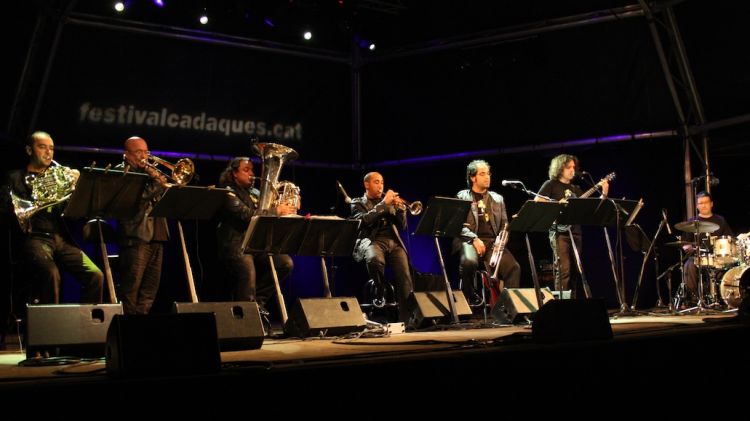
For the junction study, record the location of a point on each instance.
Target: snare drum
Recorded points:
(733, 285)
(725, 251)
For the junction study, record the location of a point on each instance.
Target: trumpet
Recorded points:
(414, 208)
(181, 172)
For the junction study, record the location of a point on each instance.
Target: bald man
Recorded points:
(383, 216)
(142, 237)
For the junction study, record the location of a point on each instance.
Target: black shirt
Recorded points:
(556, 190)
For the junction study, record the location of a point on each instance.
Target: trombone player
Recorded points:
(383, 215)
(141, 238)
(46, 244)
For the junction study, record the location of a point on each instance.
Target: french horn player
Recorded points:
(37, 193)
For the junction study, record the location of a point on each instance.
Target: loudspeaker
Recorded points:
(238, 323)
(324, 316)
(572, 320)
(68, 329)
(515, 303)
(432, 307)
(163, 344)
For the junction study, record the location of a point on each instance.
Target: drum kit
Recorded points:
(722, 264)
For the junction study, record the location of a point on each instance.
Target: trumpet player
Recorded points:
(142, 237)
(483, 224)
(383, 215)
(46, 243)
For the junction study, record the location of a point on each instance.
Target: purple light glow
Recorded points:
(268, 22)
(159, 3)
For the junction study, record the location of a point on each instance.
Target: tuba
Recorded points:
(272, 191)
(53, 186)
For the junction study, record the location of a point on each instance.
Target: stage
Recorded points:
(645, 352)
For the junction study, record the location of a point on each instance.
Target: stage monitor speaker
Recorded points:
(163, 344)
(515, 303)
(572, 320)
(238, 323)
(432, 307)
(68, 329)
(325, 317)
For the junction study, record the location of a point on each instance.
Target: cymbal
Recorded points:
(696, 226)
(679, 243)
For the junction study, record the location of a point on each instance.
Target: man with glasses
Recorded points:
(142, 237)
(484, 223)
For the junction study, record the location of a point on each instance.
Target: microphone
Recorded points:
(666, 220)
(347, 199)
(511, 182)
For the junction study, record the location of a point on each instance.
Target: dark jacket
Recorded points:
(234, 218)
(370, 215)
(140, 229)
(498, 220)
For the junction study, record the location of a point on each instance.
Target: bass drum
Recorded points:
(733, 285)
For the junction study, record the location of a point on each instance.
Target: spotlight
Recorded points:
(159, 3)
(307, 35)
(372, 46)
(119, 6)
(203, 19)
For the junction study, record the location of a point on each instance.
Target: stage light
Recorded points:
(159, 3)
(119, 6)
(268, 22)
(203, 19)
(307, 35)
(372, 46)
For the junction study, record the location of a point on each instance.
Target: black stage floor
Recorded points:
(647, 354)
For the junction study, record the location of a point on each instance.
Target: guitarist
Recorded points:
(559, 187)
(485, 221)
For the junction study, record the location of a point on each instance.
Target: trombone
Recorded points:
(181, 172)
(414, 208)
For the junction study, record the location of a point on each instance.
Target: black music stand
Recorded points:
(189, 202)
(444, 217)
(602, 212)
(535, 217)
(275, 235)
(102, 193)
(328, 237)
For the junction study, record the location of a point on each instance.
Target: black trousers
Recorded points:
(564, 261)
(509, 271)
(382, 251)
(246, 284)
(140, 275)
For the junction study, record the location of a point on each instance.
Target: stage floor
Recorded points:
(290, 354)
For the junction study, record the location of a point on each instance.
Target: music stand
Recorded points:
(189, 202)
(103, 193)
(535, 217)
(444, 217)
(275, 235)
(601, 212)
(328, 236)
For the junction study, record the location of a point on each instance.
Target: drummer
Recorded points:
(705, 204)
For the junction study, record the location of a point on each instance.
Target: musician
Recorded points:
(48, 246)
(141, 237)
(559, 187)
(242, 268)
(704, 203)
(383, 215)
(483, 224)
